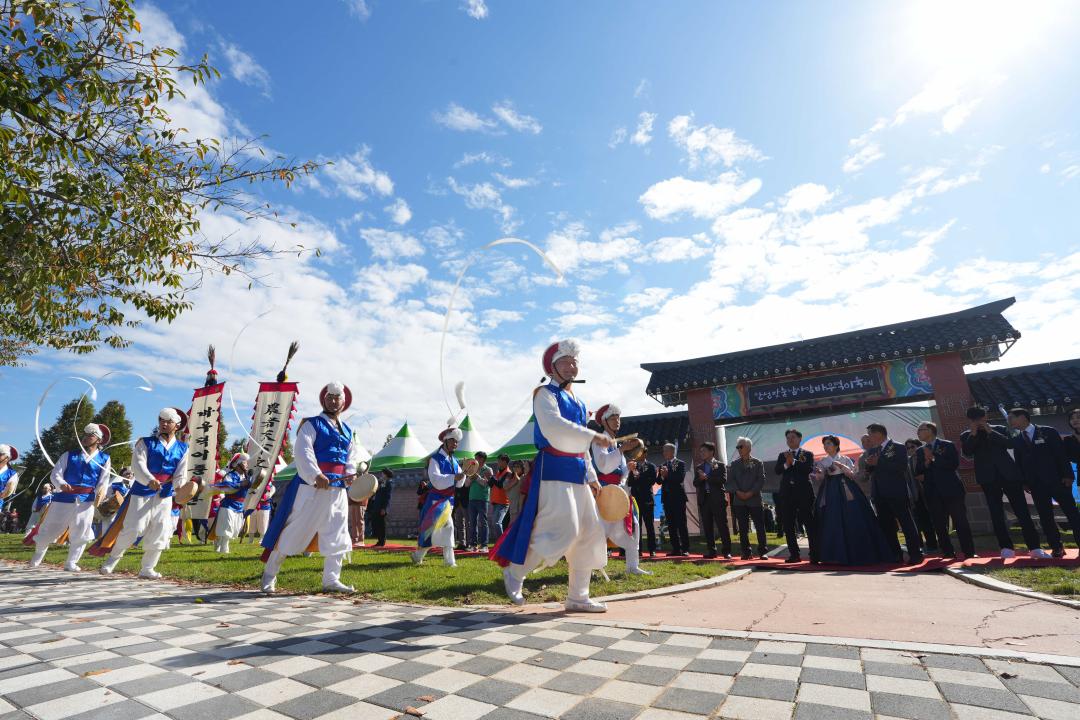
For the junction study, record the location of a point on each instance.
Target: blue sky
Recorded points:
(708, 176)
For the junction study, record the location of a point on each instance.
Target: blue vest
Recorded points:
(161, 461)
(553, 467)
(235, 501)
(80, 471)
(331, 445)
(447, 465)
(42, 501)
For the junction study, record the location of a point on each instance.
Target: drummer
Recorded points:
(437, 515)
(611, 469)
(230, 516)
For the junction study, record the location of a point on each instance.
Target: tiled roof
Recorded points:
(658, 428)
(1043, 385)
(977, 333)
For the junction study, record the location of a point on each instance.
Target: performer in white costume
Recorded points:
(82, 478)
(611, 469)
(260, 519)
(230, 515)
(559, 517)
(437, 515)
(9, 479)
(159, 463)
(316, 504)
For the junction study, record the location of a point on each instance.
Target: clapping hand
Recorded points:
(928, 454)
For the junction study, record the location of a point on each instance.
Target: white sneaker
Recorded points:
(417, 558)
(33, 565)
(72, 568)
(451, 565)
(269, 586)
(107, 568)
(513, 588)
(149, 574)
(588, 606)
(1040, 554)
(338, 587)
(1007, 553)
(637, 571)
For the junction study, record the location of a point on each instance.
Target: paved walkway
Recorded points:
(122, 649)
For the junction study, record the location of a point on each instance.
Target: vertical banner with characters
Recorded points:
(202, 438)
(275, 406)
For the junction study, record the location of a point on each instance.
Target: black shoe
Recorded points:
(745, 555)
(792, 559)
(948, 556)
(1058, 553)
(762, 552)
(709, 556)
(916, 559)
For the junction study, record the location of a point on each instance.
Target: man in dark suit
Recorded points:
(937, 462)
(920, 510)
(997, 475)
(642, 480)
(673, 495)
(710, 481)
(1040, 453)
(796, 495)
(891, 493)
(379, 506)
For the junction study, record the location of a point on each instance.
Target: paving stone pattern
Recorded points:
(83, 647)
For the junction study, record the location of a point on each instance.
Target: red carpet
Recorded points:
(389, 547)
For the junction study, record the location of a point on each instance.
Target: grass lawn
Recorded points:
(380, 575)
(1050, 580)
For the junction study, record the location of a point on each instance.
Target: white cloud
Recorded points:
(807, 197)
(643, 134)
(642, 89)
(444, 237)
(482, 157)
(678, 249)
(618, 137)
(399, 211)
(461, 119)
(355, 177)
(383, 283)
(676, 196)
(514, 183)
(390, 244)
(646, 299)
(476, 9)
(869, 153)
(245, 68)
(571, 248)
(485, 196)
(709, 144)
(358, 9)
(516, 121)
(493, 317)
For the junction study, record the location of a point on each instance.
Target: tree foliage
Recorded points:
(114, 414)
(101, 194)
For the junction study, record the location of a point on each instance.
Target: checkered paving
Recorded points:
(83, 647)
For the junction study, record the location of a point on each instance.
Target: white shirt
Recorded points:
(610, 460)
(438, 480)
(139, 467)
(56, 477)
(307, 466)
(564, 436)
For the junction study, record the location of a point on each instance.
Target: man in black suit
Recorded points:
(379, 506)
(642, 480)
(920, 510)
(891, 493)
(796, 495)
(710, 481)
(997, 475)
(937, 462)
(673, 495)
(1040, 453)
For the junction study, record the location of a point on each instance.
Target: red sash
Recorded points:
(332, 468)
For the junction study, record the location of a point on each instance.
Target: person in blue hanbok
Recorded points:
(230, 515)
(40, 503)
(848, 530)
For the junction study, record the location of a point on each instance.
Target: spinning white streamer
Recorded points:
(41, 401)
(148, 387)
(232, 401)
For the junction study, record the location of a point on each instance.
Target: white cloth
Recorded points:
(259, 521)
(229, 523)
(75, 517)
(325, 512)
(307, 465)
(149, 517)
(56, 477)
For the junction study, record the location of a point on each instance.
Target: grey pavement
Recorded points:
(83, 646)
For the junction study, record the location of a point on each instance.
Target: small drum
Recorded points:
(186, 493)
(111, 503)
(363, 487)
(613, 503)
(470, 467)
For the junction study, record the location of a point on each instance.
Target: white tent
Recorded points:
(521, 447)
(471, 441)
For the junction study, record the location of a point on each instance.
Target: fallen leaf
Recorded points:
(82, 620)
(644, 632)
(224, 625)
(1013, 642)
(200, 672)
(235, 662)
(1008, 675)
(410, 710)
(199, 600)
(426, 698)
(91, 673)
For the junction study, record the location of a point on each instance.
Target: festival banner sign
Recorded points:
(204, 423)
(275, 407)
